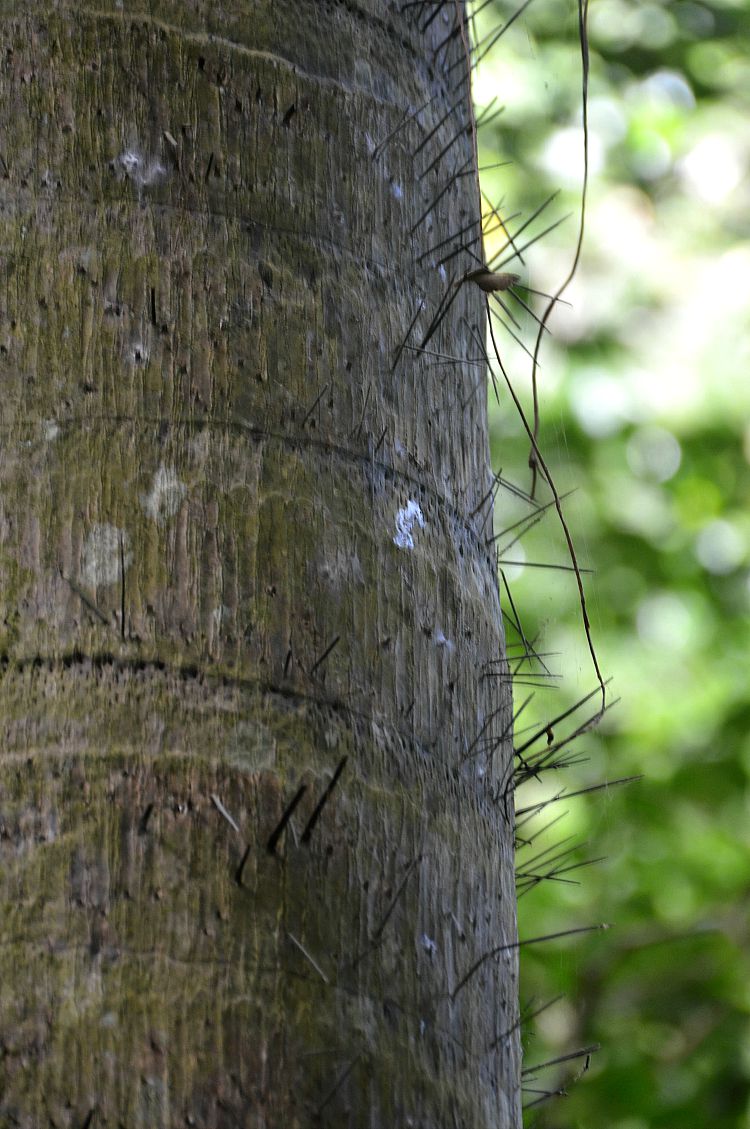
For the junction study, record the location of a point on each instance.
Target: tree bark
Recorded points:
(252, 834)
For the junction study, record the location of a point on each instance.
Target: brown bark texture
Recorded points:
(252, 834)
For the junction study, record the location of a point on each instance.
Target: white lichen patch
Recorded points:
(441, 640)
(141, 170)
(406, 518)
(105, 552)
(428, 944)
(166, 494)
(51, 429)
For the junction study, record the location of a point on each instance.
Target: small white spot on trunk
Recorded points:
(442, 641)
(129, 160)
(397, 191)
(166, 494)
(428, 944)
(406, 518)
(143, 171)
(105, 550)
(51, 430)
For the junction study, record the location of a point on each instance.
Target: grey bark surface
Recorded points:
(240, 551)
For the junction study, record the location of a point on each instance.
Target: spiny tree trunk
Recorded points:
(240, 552)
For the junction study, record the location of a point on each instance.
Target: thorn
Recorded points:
(337, 1086)
(536, 808)
(287, 815)
(434, 15)
(402, 346)
(482, 121)
(506, 311)
(451, 181)
(323, 801)
(223, 811)
(510, 242)
(486, 497)
(445, 358)
(463, 248)
(472, 393)
(556, 720)
(305, 954)
(462, 131)
(522, 1018)
(530, 242)
(374, 940)
(436, 127)
(85, 600)
(542, 294)
(493, 37)
(437, 246)
(357, 430)
(402, 885)
(314, 405)
(241, 868)
(455, 30)
(502, 223)
(491, 717)
(382, 145)
(323, 657)
(445, 304)
(583, 1052)
(482, 114)
(544, 328)
(529, 520)
(545, 1096)
(519, 945)
(488, 168)
(143, 824)
(506, 327)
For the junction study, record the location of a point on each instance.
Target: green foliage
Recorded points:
(644, 400)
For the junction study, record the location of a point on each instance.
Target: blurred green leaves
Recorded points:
(645, 399)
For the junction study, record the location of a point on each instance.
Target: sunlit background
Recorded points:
(645, 398)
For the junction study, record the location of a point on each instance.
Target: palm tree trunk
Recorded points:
(250, 836)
